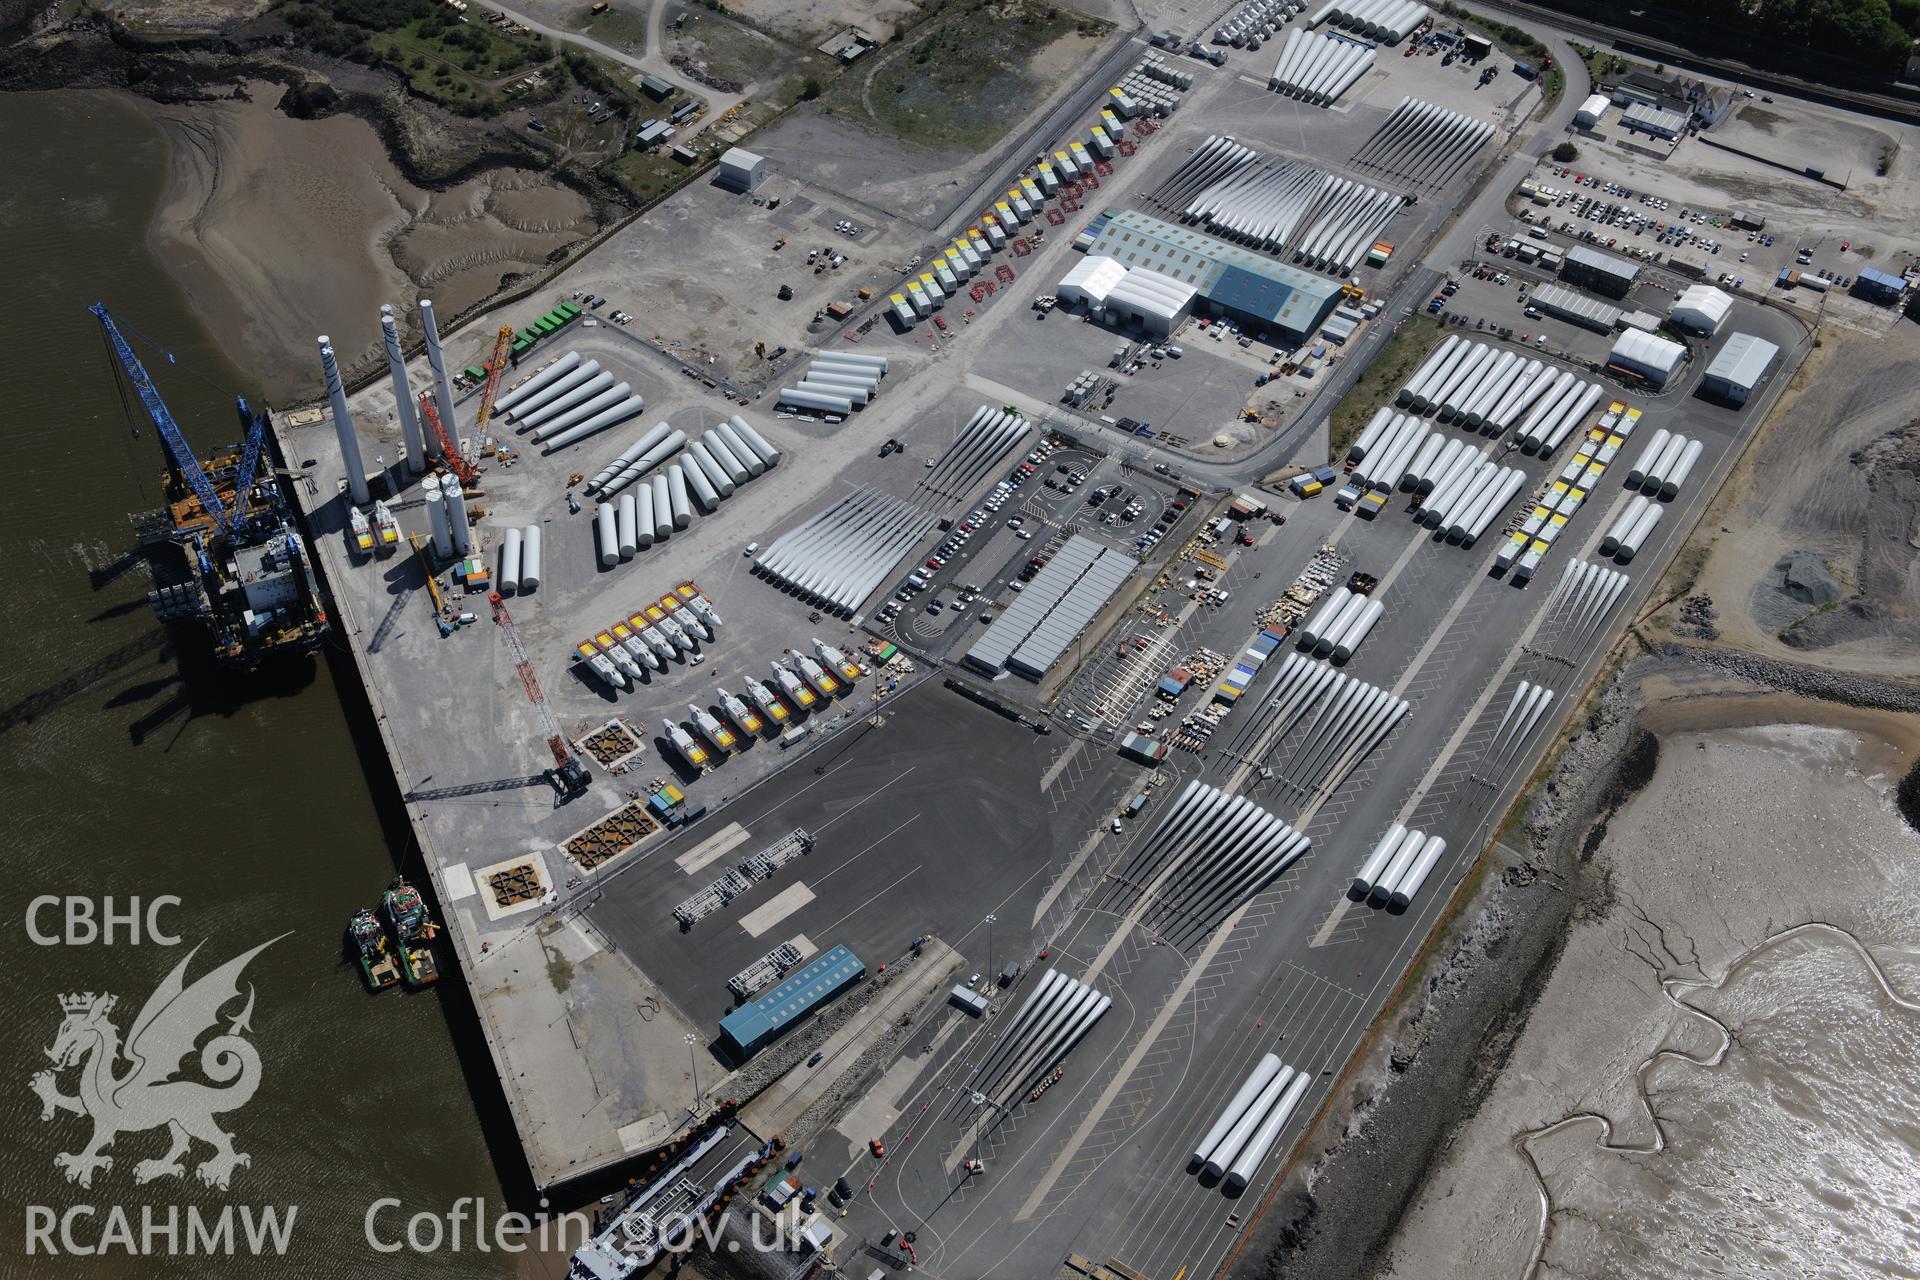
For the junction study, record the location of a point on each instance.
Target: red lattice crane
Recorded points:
(496, 367)
(569, 776)
(449, 451)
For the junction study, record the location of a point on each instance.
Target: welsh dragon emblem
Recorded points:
(133, 1087)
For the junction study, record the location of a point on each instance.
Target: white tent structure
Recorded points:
(1157, 303)
(1652, 357)
(1702, 308)
(1090, 281)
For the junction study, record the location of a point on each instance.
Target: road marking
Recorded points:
(869, 849)
(1333, 922)
(1067, 875)
(1055, 769)
(712, 849)
(863, 799)
(1146, 1041)
(875, 898)
(775, 909)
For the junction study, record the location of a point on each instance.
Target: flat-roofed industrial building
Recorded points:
(758, 1023)
(1244, 286)
(1739, 368)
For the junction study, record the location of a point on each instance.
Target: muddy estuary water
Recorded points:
(1718, 1076)
(137, 771)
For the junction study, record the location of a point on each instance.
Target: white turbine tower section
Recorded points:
(715, 473)
(1637, 475)
(627, 526)
(576, 406)
(1618, 529)
(1416, 875)
(545, 378)
(1572, 418)
(600, 421)
(1421, 391)
(659, 451)
(1448, 477)
(1349, 611)
(631, 454)
(702, 488)
(1441, 465)
(458, 525)
(1457, 491)
(1228, 1149)
(854, 393)
(642, 514)
(1358, 630)
(442, 388)
(1422, 465)
(677, 496)
(1266, 1069)
(757, 442)
(1369, 434)
(1473, 522)
(1683, 468)
(404, 407)
(1663, 465)
(1404, 856)
(738, 447)
(1241, 1174)
(351, 462)
(578, 393)
(430, 497)
(1563, 389)
(531, 405)
(1377, 861)
(1316, 624)
(662, 508)
(722, 454)
(510, 551)
(1636, 535)
(530, 559)
(606, 524)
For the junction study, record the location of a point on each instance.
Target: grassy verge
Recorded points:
(964, 78)
(1392, 367)
(619, 27)
(650, 175)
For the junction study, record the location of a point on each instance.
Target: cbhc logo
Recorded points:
(84, 921)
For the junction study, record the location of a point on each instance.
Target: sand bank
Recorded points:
(1741, 834)
(280, 229)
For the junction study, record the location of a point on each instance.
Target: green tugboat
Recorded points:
(369, 941)
(414, 930)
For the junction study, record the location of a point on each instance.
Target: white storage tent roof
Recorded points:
(1647, 353)
(1153, 295)
(1702, 307)
(1091, 280)
(1592, 109)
